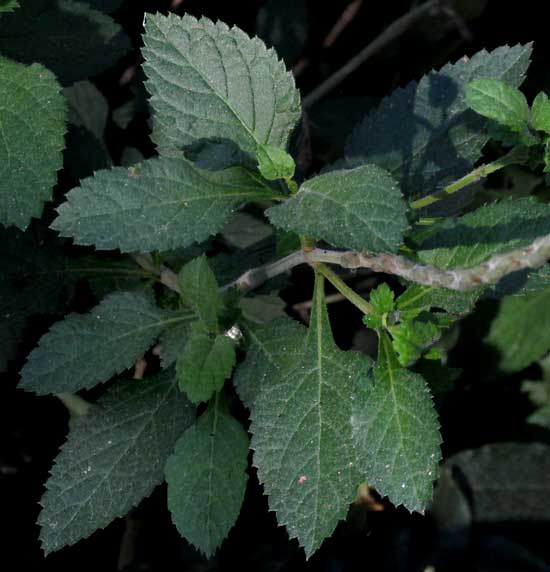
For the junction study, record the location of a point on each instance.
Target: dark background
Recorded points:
(478, 410)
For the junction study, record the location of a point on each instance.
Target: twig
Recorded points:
(345, 19)
(391, 33)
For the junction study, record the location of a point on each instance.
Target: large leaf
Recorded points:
(396, 433)
(161, 204)
(424, 134)
(491, 229)
(32, 124)
(507, 481)
(361, 209)
(84, 350)
(113, 458)
(69, 38)
(302, 432)
(209, 81)
(207, 480)
(520, 331)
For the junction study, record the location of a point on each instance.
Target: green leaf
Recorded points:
(272, 351)
(86, 349)
(206, 362)
(32, 123)
(113, 458)
(424, 134)
(396, 433)
(262, 308)
(412, 338)
(212, 82)
(8, 5)
(382, 299)
(360, 209)
(520, 331)
(489, 230)
(161, 204)
(207, 480)
(302, 432)
(69, 38)
(507, 482)
(275, 163)
(199, 291)
(87, 107)
(417, 298)
(540, 113)
(499, 101)
(172, 343)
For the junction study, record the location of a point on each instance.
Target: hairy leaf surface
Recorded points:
(209, 81)
(32, 127)
(360, 208)
(86, 349)
(113, 458)
(302, 432)
(207, 479)
(396, 433)
(424, 134)
(161, 204)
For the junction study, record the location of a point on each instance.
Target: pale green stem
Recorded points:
(344, 289)
(76, 405)
(515, 156)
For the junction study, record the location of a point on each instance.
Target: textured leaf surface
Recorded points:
(86, 349)
(491, 229)
(424, 134)
(69, 38)
(172, 342)
(497, 100)
(302, 432)
(507, 481)
(161, 204)
(209, 81)
(359, 208)
(113, 458)
(520, 331)
(396, 433)
(204, 365)
(540, 113)
(272, 351)
(207, 479)
(32, 126)
(417, 298)
(199, 290)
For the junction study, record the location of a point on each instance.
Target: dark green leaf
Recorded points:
(69, 38)
(207, 479)
(360, 208)
(161, 204)
(114, 457)
(540, 113)
(212, 82)
(32, 123)
(84, 350)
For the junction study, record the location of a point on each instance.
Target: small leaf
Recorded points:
(360, 209)
(212, 82)
(301, 428)
(8, 5)
(161, 204)
(382, 299)
(204, 365)
(71, 39)
(113, 458)
(396, 433)
(172, 343)
(275, 163)
(540, 113)
(207, 480)
(412, 338)
(199, 291)
(417, 298)
(499, 101)
(32, 122)
(84, 350)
